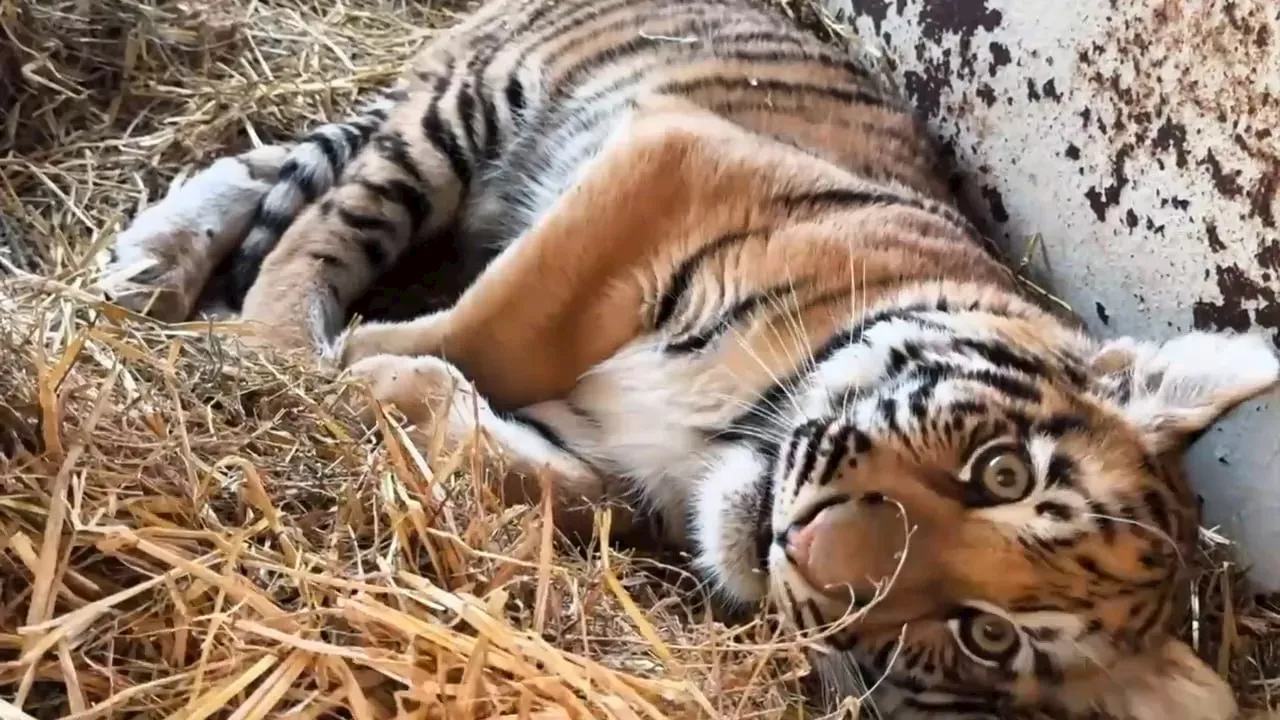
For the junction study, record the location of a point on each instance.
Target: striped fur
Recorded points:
(731, 290)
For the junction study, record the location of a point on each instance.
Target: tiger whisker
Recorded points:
(1150, 528)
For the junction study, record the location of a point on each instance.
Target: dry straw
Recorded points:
(188, 531)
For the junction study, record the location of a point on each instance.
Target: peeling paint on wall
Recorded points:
(1140, 141)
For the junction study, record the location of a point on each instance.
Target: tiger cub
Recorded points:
(728, 285)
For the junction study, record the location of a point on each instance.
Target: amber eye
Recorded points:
(990, 638)
(1004, 476)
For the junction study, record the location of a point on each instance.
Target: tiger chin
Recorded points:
(723, 283)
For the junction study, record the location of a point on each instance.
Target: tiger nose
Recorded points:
(824, 524)
(798, 538)
(798, 541)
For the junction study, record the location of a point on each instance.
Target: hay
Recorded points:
(187, 530)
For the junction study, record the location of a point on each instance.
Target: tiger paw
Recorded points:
(159, 265)
(147, 283)
(421, 388)
(420, 336)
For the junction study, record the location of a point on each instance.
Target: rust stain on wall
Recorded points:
(1171, 69)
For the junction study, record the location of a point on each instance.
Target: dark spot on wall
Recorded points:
(1264, 194)
(1050, 91)
(1103, 315)
(1100, 200)
(1227, 182)
(1072, 152)
(996, 204)
(1131, 218)
(925, 91)
(957, 17)
(1215, 242)
(875, 10)
(1269, 256)
(986, 94)
(1000, 57)
(1179, 204)
(1240, 295)
(1033, 93)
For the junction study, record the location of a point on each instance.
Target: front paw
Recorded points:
(421, 388)
(420, 336)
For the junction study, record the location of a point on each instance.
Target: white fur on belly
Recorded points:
(653, 412)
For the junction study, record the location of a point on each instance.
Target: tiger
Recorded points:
(722, 279)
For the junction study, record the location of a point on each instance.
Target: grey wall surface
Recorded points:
(1141, 141)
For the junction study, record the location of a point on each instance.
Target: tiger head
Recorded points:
(980, 512)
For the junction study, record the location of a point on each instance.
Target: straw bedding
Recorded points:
(190, 530)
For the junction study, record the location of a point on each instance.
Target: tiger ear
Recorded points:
(1172, 391)
(1167, 682)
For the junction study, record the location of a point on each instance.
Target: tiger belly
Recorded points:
(648, 418)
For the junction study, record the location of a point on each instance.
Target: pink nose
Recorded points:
(799, 539)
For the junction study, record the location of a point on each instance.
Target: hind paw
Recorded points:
(152, 283)
(159, 265)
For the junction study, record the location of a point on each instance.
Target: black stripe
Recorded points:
(414, 201)
(849, 198)
(1102, 516)
(541, 25)
(809, 457)
(376, 255)
(466, 107)
(1061, 424)
(1061, 472)
(839, 448)
(1002, 356)
(367, 223)
(678, 285)
(328, 149)
(300, 176)
(699, 339)
(844, 198)
(1159, 510)
(764, 506)
(751, 85)
(328, 259)
(1091, 566)
(272, 222)
(543, 430)
(1160, 611)
(1009, 385)
(489, 115)
(763, 56)
(444, 139)
(515, 97)
(394, 149)
(353, 137)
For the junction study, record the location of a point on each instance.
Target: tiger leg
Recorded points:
(573, 289)
(434, 397)
(403, 187)
(160, 264)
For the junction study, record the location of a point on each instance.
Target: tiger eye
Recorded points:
(989, 637)
(1006, 476)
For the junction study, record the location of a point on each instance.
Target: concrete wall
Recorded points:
(1141, 140)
